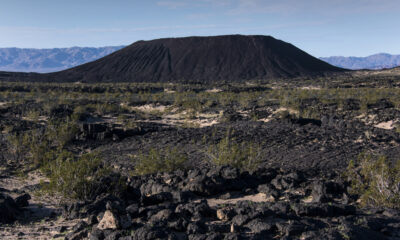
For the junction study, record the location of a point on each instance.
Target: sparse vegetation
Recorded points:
(77, 177)
(164, 160)
(245, 155)
(375, 180)
(37, 145)
(61, 106)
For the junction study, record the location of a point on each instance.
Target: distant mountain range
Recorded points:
(49, 60)
(377, 61)
(57, 59)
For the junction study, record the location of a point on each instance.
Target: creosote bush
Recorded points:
(18, 146)
(164, 160)
(39, 145)
(245, 155)
(375, 180)
(73, 177)
(77, 178)
(62, 133)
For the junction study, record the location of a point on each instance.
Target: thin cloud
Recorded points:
(172, 4)
(285, 7)
(315, 6)
(29, 30)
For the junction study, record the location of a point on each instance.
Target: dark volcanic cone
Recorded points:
(230, 58)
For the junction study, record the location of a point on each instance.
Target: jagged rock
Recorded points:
(240, 220)
(109, 221)
(230, 172)
(259, 226)
(381, 104)
(92, 219)
(79, 226)
(351, 231)
(133, 210)
(157, 198)
(182, 196)
(323, 210)
(95, 207)
(291, 229)
(196, 228)
(232, 236)
(269, 190)
(148, 233)
(152, 187)
(61, 229)
(114, 235)
(225, 214)
(77, 235)
(23, 200)
(326, 191)
(179, 225)
(162, 216)
(219, 227)
(125, 221)
(96, 234)
(9, 210)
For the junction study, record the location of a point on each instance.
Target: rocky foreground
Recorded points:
(220, 203)
(301, 140)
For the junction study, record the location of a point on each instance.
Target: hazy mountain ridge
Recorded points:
(50, 60)
(57, 59)
(376, 61)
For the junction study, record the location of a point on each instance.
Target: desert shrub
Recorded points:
(79, 112)
(375, 180)
(247, 100)
(18, 146)
(397, 127)
(165, 160)
(30, 146)
(78, 178)
(188, 101)
(131, 124)
(39, 146)
(33, 115)
(285, 114)
(61, 133)
(106, 108)
(189, 124)
(309, 113)
(245, 155)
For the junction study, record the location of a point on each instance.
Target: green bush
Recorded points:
(375, 180)
(76, 178)
(79, 111)
(40, 145)
(59, 134)
(166, 160)
(33, 115)
(245, 155)
(40, 151)
(18, 147)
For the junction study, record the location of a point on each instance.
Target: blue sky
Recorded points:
(320, 27)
